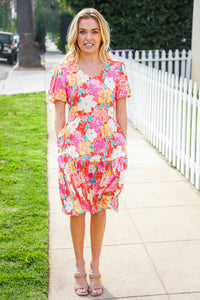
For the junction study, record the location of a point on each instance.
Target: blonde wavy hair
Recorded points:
(74, 51)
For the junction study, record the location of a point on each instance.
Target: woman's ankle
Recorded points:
(80, 266)
(94, 267)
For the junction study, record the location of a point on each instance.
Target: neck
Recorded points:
(89, 59)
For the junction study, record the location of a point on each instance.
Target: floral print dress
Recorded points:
(92, 146)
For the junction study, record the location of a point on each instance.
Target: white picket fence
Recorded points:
(177, 62)
(166, 110)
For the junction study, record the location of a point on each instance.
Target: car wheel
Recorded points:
(11, 60)
(15, 57)
(1, 47)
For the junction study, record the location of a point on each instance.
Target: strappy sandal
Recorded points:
(93, 287)
(78, 287)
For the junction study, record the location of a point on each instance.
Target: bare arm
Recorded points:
(59, 116)
(121, 114)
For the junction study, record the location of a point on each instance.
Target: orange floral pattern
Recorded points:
(92, 155)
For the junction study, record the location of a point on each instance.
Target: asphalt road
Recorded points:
(4, 69)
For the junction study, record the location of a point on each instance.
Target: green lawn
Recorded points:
(23, 197)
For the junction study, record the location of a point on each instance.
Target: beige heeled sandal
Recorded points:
(78, 287)
(93, 287)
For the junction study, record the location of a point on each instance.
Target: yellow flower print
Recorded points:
(77, 206)
(84, 148)
(105, 95)
(106, 131)
(74, 79)
(73, 112)
(61, 95)
(71, 168)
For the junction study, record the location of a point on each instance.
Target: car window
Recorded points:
(7, 39)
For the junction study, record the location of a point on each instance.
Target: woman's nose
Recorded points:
(89, 35)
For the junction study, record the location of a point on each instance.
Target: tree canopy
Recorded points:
(144, 24)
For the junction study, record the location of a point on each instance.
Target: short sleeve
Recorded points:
(57, 89)
(122, 87)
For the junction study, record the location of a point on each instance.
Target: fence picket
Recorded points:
(183, 128)
(188, 134)
(171, 123)
(193, 133)
(174, 163)
(197, 179)
(178, 63)
(170, 61)
(166, 109)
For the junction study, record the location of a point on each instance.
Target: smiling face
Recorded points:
(89, 36)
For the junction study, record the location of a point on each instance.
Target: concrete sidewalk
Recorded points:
(151, 249)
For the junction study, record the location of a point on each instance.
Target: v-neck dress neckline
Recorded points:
(89, 76)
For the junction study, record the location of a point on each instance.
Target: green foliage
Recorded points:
(23, 197)
(40, 33)
(6, 23)
(145, 24)
(65, 20)
(46, 20)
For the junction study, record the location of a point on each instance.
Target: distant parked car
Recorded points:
(8, 47)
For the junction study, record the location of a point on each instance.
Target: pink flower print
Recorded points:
(62, 190)
(120, 163)
(96, 187)
(102, 113)
(113, 72)
(79, 166)
(61, 161)
(59, 142)
(119, 138)
(93, 88)
(111, 186)
(99, 145)
(96, 124)
(102, 167)
(72, 66)
(77, 138)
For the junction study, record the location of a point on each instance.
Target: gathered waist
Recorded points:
(102, 113)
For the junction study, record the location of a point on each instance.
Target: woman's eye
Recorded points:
(95, 31)
(82, 31)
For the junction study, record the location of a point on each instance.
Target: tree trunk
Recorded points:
(29, 55)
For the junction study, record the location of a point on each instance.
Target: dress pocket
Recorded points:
(119, 130)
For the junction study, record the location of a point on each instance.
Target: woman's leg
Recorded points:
(77, 226)
(97, 229)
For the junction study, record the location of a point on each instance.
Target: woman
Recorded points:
(91, 145)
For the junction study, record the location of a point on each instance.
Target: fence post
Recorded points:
(163, 62)
(183, 128)
(150, 57)
(179, 122)
(193, 132)
(169, 69)
(176, 67)
(174, 162)
(187, 155)
(171, 123)
(156, 59)
(197, 184)
(188, 65)
(183, 63)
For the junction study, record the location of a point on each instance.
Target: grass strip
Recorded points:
(23, 197)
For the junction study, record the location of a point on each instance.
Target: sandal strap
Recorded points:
(80, 286)
(97, 286)
(80, 275)
(95, 275)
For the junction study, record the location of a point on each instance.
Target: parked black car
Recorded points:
(8, 47)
